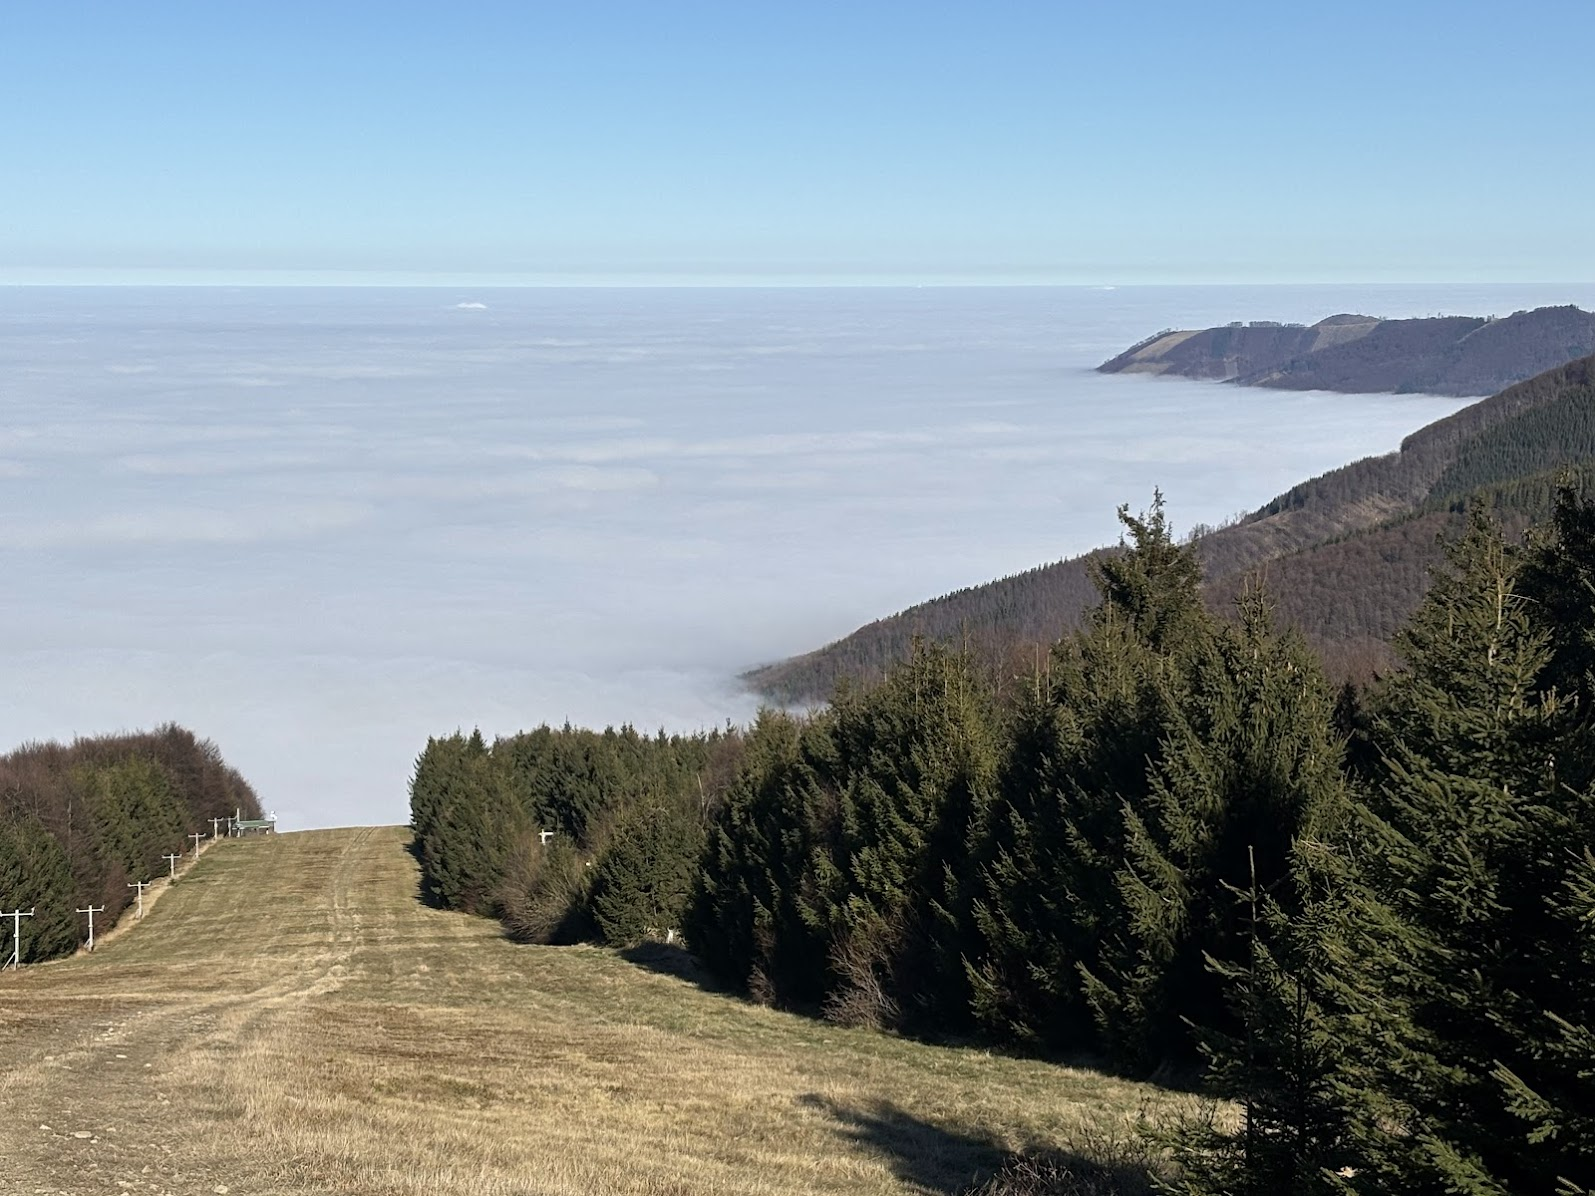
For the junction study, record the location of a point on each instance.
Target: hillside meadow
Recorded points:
(291, 1018)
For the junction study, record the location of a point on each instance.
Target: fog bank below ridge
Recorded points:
(319, 525)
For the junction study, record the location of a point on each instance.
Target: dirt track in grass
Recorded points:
(291, 1018)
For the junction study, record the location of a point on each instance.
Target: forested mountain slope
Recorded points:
(1347, 553)
(79, 822)
(1453, 355)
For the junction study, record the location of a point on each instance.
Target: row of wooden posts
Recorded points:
(236, 824)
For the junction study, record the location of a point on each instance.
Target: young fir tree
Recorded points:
(1053, 841)
(35, 875)
(1558, 578)
(1249, 763)
(1283, 1061)
(744, 918)
(1154, 584)
(911, 764)
(463, 796)
(135, 816)
(1556, 1101)
(429, 786)
(643, 879)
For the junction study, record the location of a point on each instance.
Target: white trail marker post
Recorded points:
(16, 916)
(91, 911)
(215, 824)
(140, 885)
(197, 836)
(171, 859)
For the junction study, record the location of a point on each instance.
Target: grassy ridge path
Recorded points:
(291, 1018)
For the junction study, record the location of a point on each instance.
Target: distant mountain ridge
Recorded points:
(1446, 355)
(1345, 555)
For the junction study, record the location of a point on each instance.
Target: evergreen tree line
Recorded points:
(568, 834)
(80, 822)
(1369, 915)
(1365, 915)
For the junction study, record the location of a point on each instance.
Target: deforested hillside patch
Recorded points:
(80, 822)
(1352, 354)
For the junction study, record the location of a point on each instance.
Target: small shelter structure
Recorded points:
(255, 826)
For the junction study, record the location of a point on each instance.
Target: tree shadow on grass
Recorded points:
(955, 1162)
(669, 959)
(424, 892)
(934, 1158)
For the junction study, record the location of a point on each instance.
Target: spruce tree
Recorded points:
(1052, 843)
(464, 797)
(1249, 763)
(1371, 1015)
(1551, 1085)
(1556, 1099)
(644, 878)
(1455, 863)
(911, 764)
(136, 818)
(1558, 577)
(35, 875)
(1283, 1059)
(1426, 947)
(744, 919)
(1153, 583)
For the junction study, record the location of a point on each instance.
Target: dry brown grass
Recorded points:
(291, 1019)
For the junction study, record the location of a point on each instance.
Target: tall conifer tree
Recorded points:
(1435, 952)
(35, 875)
(1455, 870)
(911, 767)
(1249, 762)
(745, 918)
(1052, 845)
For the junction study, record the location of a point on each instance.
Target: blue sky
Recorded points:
(872, 142)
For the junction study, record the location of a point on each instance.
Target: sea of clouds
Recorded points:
(319, 525)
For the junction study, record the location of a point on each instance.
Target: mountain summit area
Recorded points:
(1353, 354)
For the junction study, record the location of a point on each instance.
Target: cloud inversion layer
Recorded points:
(321, 525)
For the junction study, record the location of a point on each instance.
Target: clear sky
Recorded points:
(678, 140)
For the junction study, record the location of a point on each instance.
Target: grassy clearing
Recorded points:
(291, 1019)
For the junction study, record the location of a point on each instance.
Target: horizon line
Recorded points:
(395, 281)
